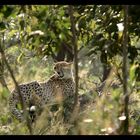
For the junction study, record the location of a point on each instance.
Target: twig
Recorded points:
(17, 88)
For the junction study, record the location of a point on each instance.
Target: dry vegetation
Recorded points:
(98, 115)
(107, 58)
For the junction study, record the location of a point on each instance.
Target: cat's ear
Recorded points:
(70, 63)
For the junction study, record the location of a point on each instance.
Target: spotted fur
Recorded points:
(58, 88)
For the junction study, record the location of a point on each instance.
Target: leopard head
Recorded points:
(63, 69)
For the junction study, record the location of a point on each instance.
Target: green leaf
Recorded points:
(2, 25)
(8, 12)
(62, 36)
(19, 58)
(76, 14)
(132, 74)
(92, 24)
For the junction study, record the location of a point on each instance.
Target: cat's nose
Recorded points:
(60, 74)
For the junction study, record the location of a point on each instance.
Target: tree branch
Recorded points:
(17, 88)
(75, 48)
(125, 71)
